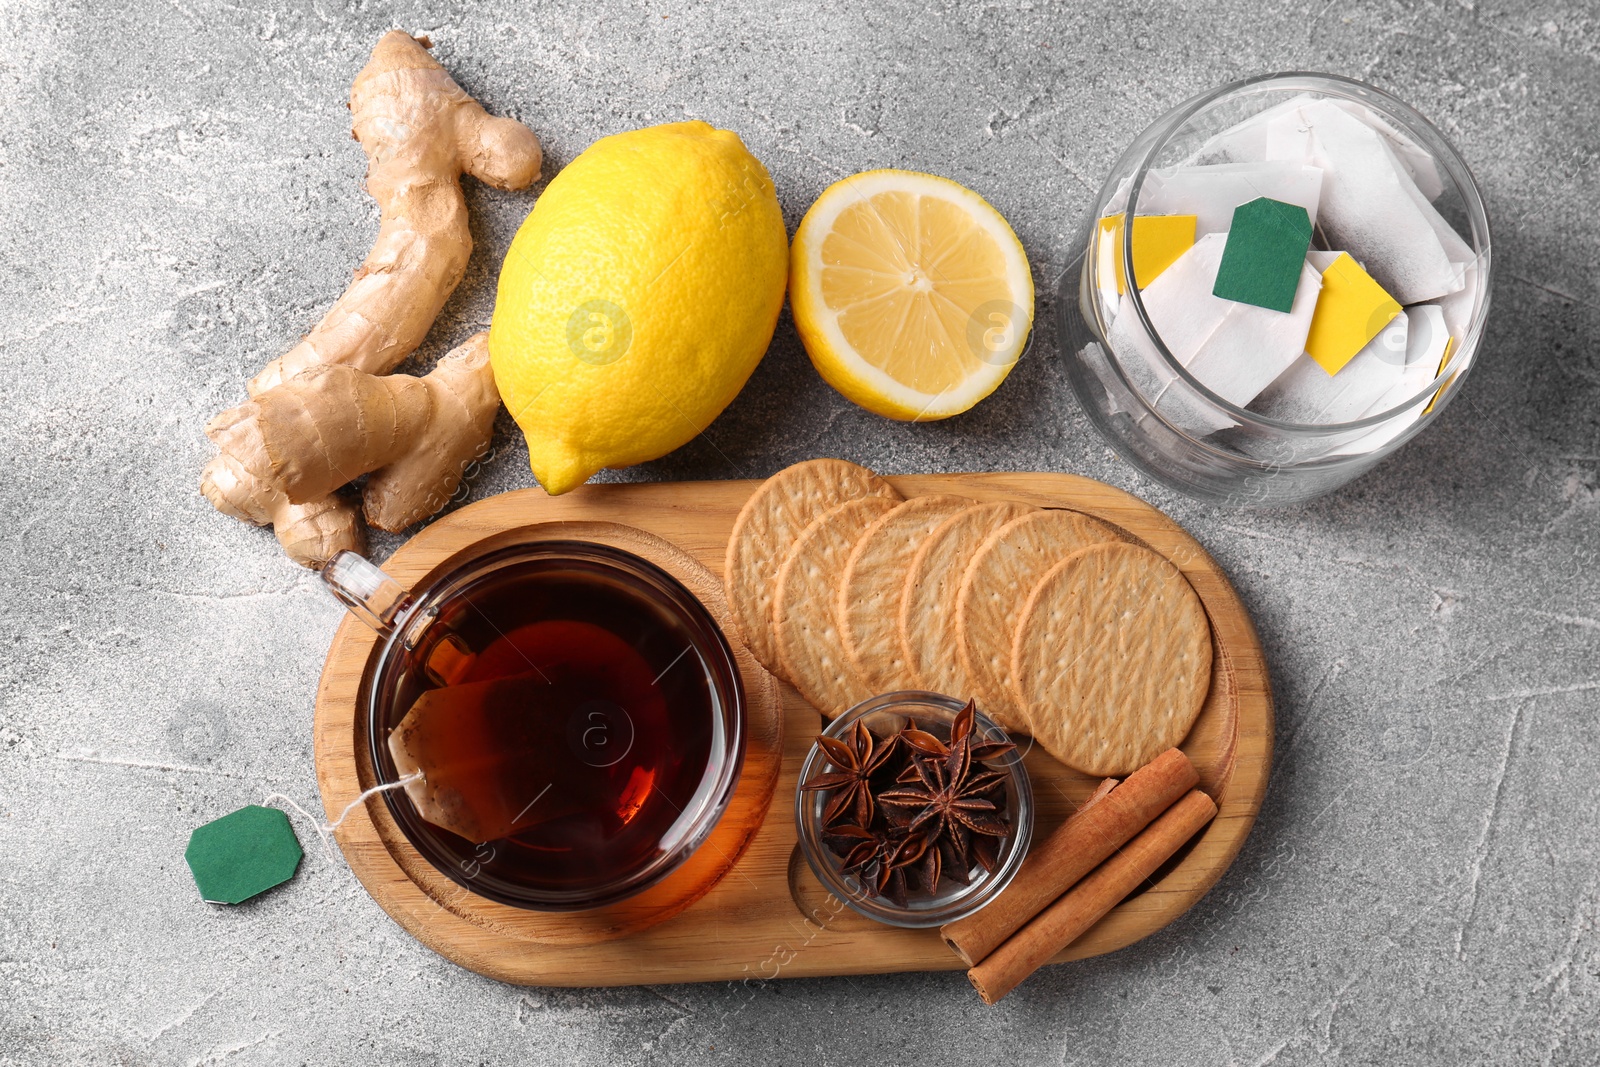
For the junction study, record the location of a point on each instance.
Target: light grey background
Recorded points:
(179, 201)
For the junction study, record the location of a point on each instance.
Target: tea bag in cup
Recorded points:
(487, 767)
(536, 727)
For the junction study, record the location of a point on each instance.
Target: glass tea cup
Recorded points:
(567, 717)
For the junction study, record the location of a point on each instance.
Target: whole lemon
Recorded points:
(637, 298)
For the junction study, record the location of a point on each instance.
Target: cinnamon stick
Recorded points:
(1085, 904)
(1096, 830)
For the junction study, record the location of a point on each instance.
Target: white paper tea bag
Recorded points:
(1306, 393)
(1173, 398)
(1254, 344)
(1184, 323)
(1370, 206)
(1211, 193)
(1459, 305)
(1418, 161)
(1179, 302)
(1425, 345)
(1321, 258)
(1426, 339)
(1455, 247)
(1244, 142)
(1234, 349)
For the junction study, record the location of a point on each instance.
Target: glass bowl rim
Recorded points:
(448, 581)
(808, 834)
(1362, 92)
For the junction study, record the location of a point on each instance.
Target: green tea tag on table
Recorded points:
(1265, 253)
(240, 855)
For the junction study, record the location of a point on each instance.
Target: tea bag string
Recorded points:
(325, 829)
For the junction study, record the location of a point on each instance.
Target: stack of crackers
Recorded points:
(1056, 623)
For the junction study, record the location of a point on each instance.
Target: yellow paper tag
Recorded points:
(1351, 310)
(1444, 361)
(1158, 241)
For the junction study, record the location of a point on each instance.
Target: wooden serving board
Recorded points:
(768, 917)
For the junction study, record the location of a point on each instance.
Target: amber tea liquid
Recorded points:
(564, 725)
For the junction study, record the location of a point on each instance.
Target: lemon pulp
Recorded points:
(912, 295)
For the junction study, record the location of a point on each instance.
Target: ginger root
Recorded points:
(420, 133)
(284, 455)
(296, 443)
(313, 533)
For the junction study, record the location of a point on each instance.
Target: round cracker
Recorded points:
(997, 582)
(874, 576)
(927, 615)
(1113, 657)
(805, 627)
(765, 530)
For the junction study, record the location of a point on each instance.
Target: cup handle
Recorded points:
(371, 595)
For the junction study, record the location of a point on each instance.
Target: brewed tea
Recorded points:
(563, 724)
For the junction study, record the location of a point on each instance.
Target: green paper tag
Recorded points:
(242, 854)
(1265, 254)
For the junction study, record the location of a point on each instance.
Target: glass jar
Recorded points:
(1166, 421)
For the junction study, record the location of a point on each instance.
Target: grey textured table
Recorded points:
(179, 199)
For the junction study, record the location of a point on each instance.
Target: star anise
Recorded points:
(856, 845)
(877, 855)
(856, 760)
(922, 860)
(986, 850)
(945, 798)
(953, 793)
(924, 809)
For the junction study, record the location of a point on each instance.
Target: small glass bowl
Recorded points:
(885, 715)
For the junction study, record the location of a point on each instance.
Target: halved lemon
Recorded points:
(911, 293)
